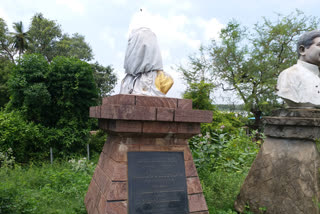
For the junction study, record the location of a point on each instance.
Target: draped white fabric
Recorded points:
(143, 53)
(142, 61)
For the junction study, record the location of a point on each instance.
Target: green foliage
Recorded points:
(221, 189)
(222, 151)
(96, 141)
(74, 46)
(26, 139)
(223, 154)
(53, 94)
(27, 87)
(5, 67)
(20, 38)
(44, 34)
(58, 188)
(199, 93)
(56, 97)
(73, 91)
(7, 160)
(105, 79)
(248, 61)
(7, 50)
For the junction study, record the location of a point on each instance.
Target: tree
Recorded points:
(49, 93)
(44, 35)
(249, 62)
(199, 93)
(7, 51)
(20, 38)
(47, 39)
(5, 67)
(74, 46)
(28, 88)
(105, 79)
(56, 96)
(199, 81)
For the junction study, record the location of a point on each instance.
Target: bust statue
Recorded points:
(299, 85)
(143, 66)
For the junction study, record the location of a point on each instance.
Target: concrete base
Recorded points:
(284, 178)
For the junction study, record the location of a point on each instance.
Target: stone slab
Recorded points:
(185, 104)
(292, 121)
(148, 108)
(291, 112)
(158, 102)
(199, 116)
(120, 99)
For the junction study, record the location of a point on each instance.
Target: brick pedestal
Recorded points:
(142, 124)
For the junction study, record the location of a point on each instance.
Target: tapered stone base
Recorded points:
(108, 190)
(284, 178)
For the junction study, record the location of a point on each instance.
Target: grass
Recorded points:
(60, 188)
(57, 188)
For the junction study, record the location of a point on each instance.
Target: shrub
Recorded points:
(26, 139)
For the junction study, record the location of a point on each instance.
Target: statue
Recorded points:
(299, 85)
(143, 66)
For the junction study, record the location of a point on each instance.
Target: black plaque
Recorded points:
(157, 183)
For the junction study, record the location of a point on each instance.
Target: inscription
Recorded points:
(157, 183)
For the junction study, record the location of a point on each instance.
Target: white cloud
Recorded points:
(170, 30)
(119, 2)
(165, 53)
(107, 37)
(75, 5)
(4, 15)
(211, 28)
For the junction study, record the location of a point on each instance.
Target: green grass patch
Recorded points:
(57, 188)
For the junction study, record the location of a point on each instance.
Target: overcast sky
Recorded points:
(180, 25)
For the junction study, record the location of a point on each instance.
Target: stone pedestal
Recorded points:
(284, 178)
(143, 124)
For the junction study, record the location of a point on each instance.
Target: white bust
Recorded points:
(299, 85)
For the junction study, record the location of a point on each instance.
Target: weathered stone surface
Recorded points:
(294, 132)
(197, 203)
(284, 178)
(199, 116)
(184, 104)
(304, 113)
(293, 124)
(156, 101)
(122, 99)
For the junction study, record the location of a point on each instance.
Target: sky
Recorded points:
(181, 26)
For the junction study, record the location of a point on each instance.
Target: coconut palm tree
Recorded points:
(20, 38)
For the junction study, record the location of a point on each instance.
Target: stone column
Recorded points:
(284, 177)
(137, 125)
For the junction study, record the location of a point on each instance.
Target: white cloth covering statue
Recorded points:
(143, 66)
(299, 85)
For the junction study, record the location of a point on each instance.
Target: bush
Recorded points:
(223, 154)
(53, 101)
(26, 139)
(221, 189)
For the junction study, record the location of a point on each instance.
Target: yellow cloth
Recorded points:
(163, 82)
